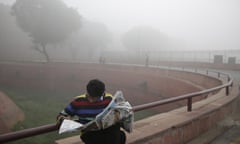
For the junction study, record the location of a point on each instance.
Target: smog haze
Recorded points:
(86, 30)
(207, 24)
(204, 23)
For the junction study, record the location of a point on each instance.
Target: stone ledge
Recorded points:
(179, 124)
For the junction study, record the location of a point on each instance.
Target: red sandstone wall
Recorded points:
(139, 84)
(146, 85)
(179, 126)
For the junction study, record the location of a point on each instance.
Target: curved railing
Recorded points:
(12, 136)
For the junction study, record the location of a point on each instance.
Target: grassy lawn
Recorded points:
(41, 108)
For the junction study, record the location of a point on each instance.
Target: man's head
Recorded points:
(95, 88)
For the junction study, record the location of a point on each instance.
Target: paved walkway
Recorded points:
(231, 136)
(228, 131)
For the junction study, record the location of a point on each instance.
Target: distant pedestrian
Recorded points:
(102, 60)
(147, 60)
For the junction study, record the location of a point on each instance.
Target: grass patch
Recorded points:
(41, 108)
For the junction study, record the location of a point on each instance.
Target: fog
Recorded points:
(145, 27)
(204, 23)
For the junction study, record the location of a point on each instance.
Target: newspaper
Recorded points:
(118, 110)
(69, 126)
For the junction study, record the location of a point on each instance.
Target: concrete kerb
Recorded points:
(154, 129)
(213, 109)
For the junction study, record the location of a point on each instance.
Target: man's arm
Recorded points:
(61, 116)
(67, 113)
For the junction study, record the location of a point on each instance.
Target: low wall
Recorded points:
(139, 84)
(179, 126)
(174, 127)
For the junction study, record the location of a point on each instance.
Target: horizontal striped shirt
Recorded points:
(85, 110)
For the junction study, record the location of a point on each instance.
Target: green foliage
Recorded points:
(46, 21)
(12, 38)
(40, 108)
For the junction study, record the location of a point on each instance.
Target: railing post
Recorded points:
(227, 90)
(189, 106)
(52, 127)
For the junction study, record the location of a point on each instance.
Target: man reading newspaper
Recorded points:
(100, 115)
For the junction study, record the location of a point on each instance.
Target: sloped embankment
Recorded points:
(10, 113)
(139, 84)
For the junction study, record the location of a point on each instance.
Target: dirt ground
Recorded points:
(10, 113)
(138, 85)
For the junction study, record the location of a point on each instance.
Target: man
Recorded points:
(86, 107)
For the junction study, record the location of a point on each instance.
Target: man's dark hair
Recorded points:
(95, 88)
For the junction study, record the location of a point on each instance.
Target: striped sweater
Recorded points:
(85, 110)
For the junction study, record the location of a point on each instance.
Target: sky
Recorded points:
(211, 23)
(204, 23)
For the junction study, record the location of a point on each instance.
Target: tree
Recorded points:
(14, 43)
(46, 21)
(91, 39)
(144, 39)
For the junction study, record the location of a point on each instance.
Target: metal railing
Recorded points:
(12, 136)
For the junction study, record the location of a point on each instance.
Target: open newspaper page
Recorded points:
(69, 126)
(118, 110)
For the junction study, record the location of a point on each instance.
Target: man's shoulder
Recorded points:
(108, 94)
(82, 96)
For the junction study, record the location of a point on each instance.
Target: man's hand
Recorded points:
(61, 117)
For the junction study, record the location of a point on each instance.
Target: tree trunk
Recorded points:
(44, 51)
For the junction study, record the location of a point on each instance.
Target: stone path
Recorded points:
(229, 130)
